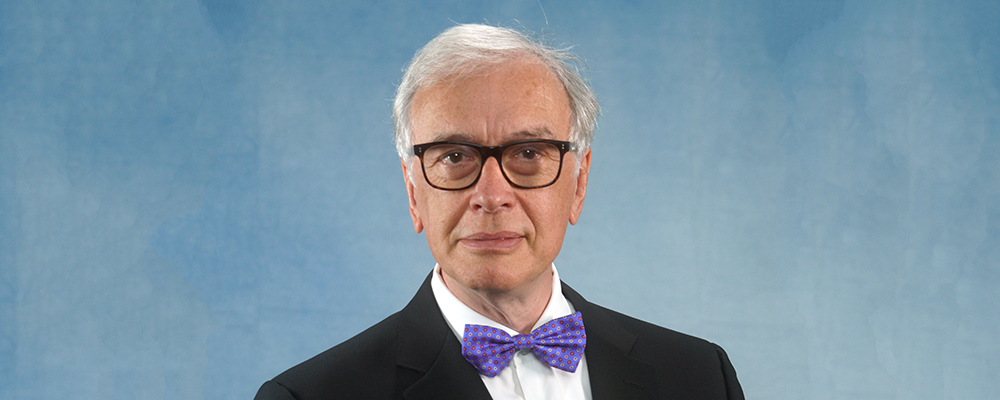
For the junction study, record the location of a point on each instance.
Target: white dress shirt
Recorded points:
(527, 377)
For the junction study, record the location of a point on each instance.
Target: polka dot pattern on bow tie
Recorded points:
(559, 343)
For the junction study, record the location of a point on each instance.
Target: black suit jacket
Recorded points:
(413, 354)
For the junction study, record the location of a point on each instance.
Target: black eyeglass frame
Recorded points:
(485, 152)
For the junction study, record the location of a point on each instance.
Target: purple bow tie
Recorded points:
(559, 343)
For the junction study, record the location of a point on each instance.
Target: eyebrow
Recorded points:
(541, 132)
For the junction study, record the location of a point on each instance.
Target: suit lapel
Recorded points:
(428, 346)
(449, 377)
(613, 373)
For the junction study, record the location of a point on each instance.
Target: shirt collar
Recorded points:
(457, 314)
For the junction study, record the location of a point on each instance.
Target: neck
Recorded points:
(519, 309)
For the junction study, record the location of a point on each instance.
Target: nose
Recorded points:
(492, 193)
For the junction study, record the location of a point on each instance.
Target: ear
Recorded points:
(581, 188)
(418, 225)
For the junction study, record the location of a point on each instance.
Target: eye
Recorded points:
(453, 158)
(527, 154)
(533, 152)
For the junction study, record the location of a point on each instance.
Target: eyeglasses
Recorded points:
(526, 164)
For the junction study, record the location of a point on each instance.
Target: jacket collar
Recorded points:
(428, 346)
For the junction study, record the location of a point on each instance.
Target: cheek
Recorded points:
(557, 212)
(548, 214)
(440, 213)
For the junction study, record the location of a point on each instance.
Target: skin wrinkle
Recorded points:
(509, 285)
(539, 132)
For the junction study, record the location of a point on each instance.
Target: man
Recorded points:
(494, 134)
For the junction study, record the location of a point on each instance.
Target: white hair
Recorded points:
(467, 49)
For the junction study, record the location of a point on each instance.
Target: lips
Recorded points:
(498, 241)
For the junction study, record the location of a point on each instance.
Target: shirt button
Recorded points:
(524, 351)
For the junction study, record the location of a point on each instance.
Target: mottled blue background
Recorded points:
(195, 196)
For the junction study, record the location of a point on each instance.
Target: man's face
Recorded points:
(492, 236)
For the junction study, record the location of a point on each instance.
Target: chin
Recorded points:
(494, 283)
(497, 277)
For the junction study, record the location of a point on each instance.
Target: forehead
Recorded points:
(499, 104)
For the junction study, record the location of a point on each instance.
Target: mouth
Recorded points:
(499, 241)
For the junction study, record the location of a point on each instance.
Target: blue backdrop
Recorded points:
(196, 195)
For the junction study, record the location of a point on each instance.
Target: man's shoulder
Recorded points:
(363, 361)
(643, 337)
(685, 365)
(376, 343)
(652, 335)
